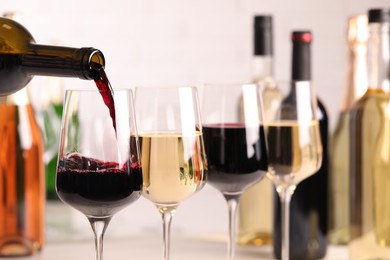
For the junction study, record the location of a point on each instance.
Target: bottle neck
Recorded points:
(263, 50)
(379, 56)
(58, 61)
(301, 58)
(263, 68)
(356, 82)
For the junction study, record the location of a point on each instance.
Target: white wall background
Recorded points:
(152, 42)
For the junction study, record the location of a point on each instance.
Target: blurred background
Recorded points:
(151, 42)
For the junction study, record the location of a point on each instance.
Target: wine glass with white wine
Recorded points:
(173, 158)
(294, 147)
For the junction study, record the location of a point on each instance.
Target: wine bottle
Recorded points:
(48, 113)
(22, 200)
(356, 85)
(255, 211)
(308, 208)
(369, 149)
(21, 59)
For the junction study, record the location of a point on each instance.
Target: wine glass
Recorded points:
(98, 170)
(172, 151)
(294, 146)
(235, 143)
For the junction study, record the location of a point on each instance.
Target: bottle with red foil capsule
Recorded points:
(308, 208)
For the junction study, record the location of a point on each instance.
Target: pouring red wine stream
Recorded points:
(105, 88)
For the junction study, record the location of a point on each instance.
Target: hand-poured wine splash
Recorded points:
(106, 91)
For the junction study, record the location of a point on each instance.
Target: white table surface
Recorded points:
(199, 231)
(151, 248)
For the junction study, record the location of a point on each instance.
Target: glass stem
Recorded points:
(99, 226)
(285, 194)
(167, 215)
(232, 201)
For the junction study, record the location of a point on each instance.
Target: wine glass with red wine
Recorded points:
(171, 142)
(235, 143)
(294, 147)
(98, 171)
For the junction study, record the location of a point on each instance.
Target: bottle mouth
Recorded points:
(93, 61)
(303, 36)
(96, 59)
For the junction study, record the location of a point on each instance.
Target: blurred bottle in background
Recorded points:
(256, 210)
(308, 208)
(369, 149)
(22, 197)
(356, 85)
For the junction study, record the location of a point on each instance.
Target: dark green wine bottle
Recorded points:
(21, 58)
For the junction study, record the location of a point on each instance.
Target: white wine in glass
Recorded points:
(294, 141)
(172, 151)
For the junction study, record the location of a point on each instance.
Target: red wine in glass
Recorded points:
(236, 155)
(97, 188)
